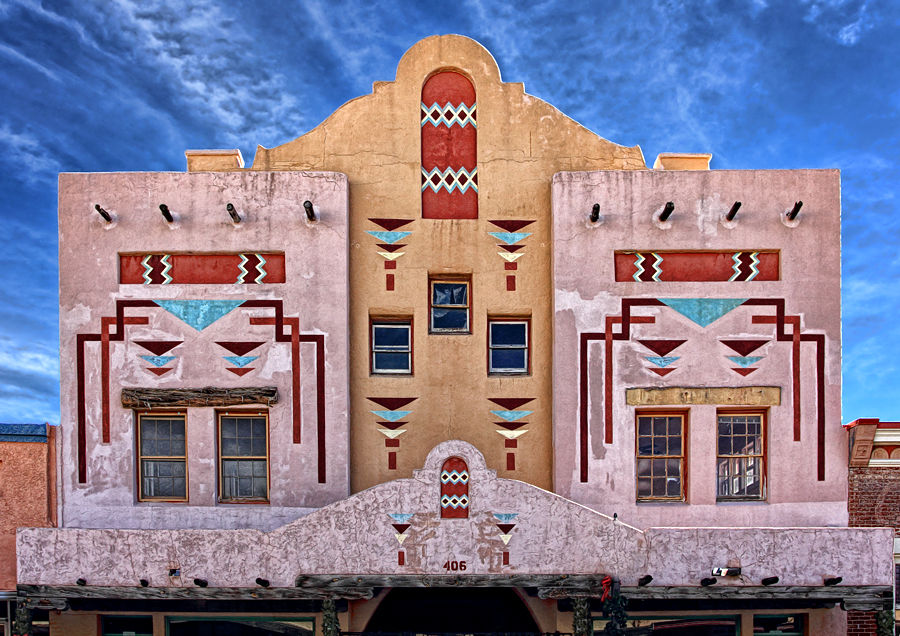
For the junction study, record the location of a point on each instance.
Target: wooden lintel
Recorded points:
(36, 592)
(149, 398)
(341, 582)
(683, 396)
(862, 594)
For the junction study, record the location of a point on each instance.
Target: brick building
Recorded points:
(450, 351)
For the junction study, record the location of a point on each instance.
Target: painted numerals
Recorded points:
(455, 566)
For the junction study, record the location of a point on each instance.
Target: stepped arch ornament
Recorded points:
(449, 148)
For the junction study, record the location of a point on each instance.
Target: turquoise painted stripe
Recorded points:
(241, 361)
(199, 314)
(159, 361)
(745, 361)
(400, 517)
(506, 517)
(512, 416)
(391, 416)
(510, 238)
(703, 311)
(663, 362)
(389, 237)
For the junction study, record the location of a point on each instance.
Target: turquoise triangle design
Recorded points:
(400, 517)
(703, 311)
(241, 361)
(392, 416)
(199, 314)
(663, 362)
(389, 237)
(506, 517)
(159, 361)
(512, 416)
(510, 238)
(745, 361)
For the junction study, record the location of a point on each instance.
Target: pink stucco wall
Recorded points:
(315, 294)
(586, 293)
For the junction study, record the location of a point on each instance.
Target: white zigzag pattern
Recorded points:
(244, 272)
(639, 265)
(454, 501)
(453, 182)
(148, 269)
(754, 261)
(468, 115)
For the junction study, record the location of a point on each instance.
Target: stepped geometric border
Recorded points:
(626, 320)
(120, 320)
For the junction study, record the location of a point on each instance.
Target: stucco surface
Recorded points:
(315, 295)
(586, 292)
(522, 142)
(355, 536)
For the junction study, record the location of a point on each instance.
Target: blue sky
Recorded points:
(119, 85)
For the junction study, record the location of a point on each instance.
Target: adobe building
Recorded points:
(27, 499)
(451, 362)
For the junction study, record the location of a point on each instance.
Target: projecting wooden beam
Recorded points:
(145, 398)
(34, 593)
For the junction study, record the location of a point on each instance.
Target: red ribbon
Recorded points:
(607, 588)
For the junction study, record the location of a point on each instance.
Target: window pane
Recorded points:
(229, 446)
(391, 361)
(644, 426)
(645, 446)
(258, 427)
(243, 427)
(673, 487)
(259, 447)
(659, 426)
(511, 359)
(450, 318)
(643, 486)
(229, 427)
(450, 294)
(244, 446)
(674, 426)
(391, 337)
(508, 334)
(674, 446)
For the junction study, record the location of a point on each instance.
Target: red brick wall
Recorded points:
(874, 498)
(861, 624)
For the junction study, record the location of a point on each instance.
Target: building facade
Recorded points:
(451, 362)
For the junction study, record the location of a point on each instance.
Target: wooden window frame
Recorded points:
(141, 457)
(684, 414)
(459, 279)
(490, 347)
(220, 473)
(763, 490)
(382, 321)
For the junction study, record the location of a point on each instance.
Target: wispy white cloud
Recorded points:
(24, 149)
(12, 53)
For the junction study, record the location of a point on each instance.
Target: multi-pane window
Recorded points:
(392, 346)
(244, 464)
(660, 456)
(740, 467)
(162, 457)
(450, 306)
(508, 346)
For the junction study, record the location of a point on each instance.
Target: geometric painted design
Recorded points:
(661, 372)
(400, 527)
(744, 361)
(392, 403)
(697, 267)
(449, 147)
(390, 248)
(511, 426)
(745, 372)
(157, 371)
(391, 256)
(158, 347)
(390, 224)
(510, 258)
(401, 537)
(510, 238)
(510, 225)
(392, 425)
(389, 237)
(512, 416)
(450, 179)
(256, 271)
(511, 403)
(662, 347)
(239, 371)
(506, 538)
(156, 269)
(391, 416)
(201, 269)
(159, 361)
(241, 361)
(240, 348)
(400, 517)
(662, 362)
(512, 434)
(448, 115)
(506, 517)
(454, 494)
(199, 314)
(703, 311)
(392, 434)
(510, 248)
(744, 347)
(505, 528)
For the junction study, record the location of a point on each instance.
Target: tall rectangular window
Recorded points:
(391, 346)
(508, 346)
(162, 457)
(740, 461)
(243, 457)
(450, 306)
(660, 456)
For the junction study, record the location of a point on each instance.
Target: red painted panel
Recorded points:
(392, 443)
(510, 461)
(454, 489)
(389, 282)
(511, 266)
(506, 558)
(392, 461)
(390, 264)
(695, 266)
(199, 269)
(449, 141)
(511, 443)
(510, 283)
(401, 558)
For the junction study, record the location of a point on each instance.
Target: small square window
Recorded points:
(740, 459)
(391, 346)
(162, 457)
(508, 346)
(243, 457)
(450, 306)
(660, 456)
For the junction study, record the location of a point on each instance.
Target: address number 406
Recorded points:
(455, 566)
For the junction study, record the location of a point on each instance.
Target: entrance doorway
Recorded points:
(464, 610)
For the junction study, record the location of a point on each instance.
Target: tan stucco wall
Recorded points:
(522, 142)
